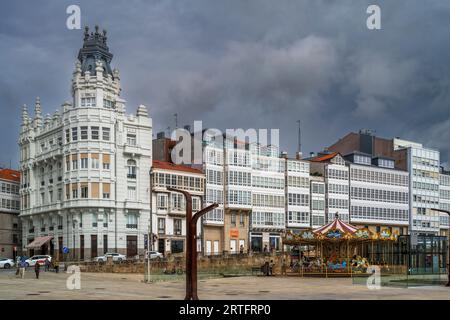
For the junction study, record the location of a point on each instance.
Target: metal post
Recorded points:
(191, 248)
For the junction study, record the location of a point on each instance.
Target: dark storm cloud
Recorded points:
(260, 64)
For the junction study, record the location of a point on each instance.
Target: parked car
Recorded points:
(37, 259)
(6, 263)
(155, 255)
(115, 257)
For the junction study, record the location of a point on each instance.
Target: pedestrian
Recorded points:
(241, 249)
(22, 267)
(56, 265)
(37, 267)
(265, 248)
(47, 265)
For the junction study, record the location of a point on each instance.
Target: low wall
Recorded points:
(213, 264)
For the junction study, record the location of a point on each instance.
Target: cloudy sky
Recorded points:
(244, 64)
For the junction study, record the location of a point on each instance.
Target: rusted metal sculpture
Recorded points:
(191, 246)
(448, 245)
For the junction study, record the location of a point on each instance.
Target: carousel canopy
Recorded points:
(336, 224)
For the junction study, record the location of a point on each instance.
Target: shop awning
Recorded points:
(39, 242)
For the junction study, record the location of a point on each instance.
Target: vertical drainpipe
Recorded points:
(115, 187)
(349, 192)
(150, 237)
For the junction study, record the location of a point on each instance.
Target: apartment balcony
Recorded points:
(268, 226)
(132, 149)
(132, 226)
(180, 211)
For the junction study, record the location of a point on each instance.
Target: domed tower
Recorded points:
(95, 83)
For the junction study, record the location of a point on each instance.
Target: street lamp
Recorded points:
(448, 245)
(191, 247)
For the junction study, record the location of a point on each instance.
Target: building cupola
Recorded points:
(95, 49)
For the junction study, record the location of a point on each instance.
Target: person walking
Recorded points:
(22, 266)
(47, 265)
(37, 268)
(56, 265)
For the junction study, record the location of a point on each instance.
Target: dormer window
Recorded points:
(361, 159)
(386, 163)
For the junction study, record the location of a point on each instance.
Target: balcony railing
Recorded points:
(132, 226)
(131, 176)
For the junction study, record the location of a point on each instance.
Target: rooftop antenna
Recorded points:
(299, 147)
(176, 120)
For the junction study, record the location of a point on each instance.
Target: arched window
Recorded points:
(131, 166)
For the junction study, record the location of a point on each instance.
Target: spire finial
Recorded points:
(25, 114)
(37, 107)
(96, 29)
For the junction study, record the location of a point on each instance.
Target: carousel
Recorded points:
(340, 248)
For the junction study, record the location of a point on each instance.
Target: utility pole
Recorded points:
(176, 120)
(149, 229)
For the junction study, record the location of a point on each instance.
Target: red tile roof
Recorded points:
(325, 157)
(9, 174)
(171, 166)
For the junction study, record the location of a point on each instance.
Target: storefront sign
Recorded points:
(234, 233)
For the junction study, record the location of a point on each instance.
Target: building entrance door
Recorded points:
(216, 247)
(208, 247)
(82, 247)
(161, 246)
(232, 246)
(94, 246)
(132, 246)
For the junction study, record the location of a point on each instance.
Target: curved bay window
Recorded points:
(131, 169)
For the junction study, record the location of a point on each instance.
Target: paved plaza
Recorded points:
(130, 286)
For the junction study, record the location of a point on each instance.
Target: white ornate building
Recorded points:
(86, 169)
